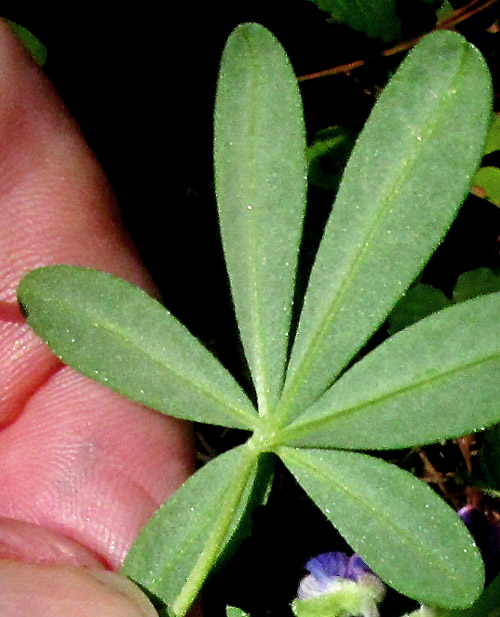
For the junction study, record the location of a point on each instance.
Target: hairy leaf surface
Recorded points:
(260, 178)
(181, 542)
(399, 526)
(119, 336)
(437, 379)
(487, 605)
(392, 208)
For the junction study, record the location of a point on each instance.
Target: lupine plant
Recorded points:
(320, 402)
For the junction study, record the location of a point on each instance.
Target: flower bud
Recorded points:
(338, 586)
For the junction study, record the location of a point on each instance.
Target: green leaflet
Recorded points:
(232, 611)
(444, 11)
(418, 302)
(487, 605)
(327, 156)
(417, 387)
(260, 178)
(198, 521)
(422, 300)
(398, 525)
(392, 208)
(487, 184)
(475, 283)
(493, 138)
(116, 334)
(377, 18)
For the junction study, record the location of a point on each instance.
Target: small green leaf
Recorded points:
(487, 184)
(119, 336)
(376, 18)
(232, 611)
(260, 177)
(327, 156)
(418, 302)
(430, 123)
(475, 283)
(437, 379)
(34, 47)
(398, 525)
(422, 300)
(493, 138)
(181, 542)
(444, 11)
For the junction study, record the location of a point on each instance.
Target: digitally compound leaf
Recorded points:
(399, 526)
(435, 380)
(430, 123)
(181, 542)
(418, 302)
(376, 18)
(260, 178)
(119, 336)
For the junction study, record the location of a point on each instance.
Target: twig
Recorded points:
(450, 22)
(432, 474)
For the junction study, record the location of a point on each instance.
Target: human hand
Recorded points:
(81, 469)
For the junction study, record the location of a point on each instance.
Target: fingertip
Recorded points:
(29, 589)
(26, 542)
(56, 205)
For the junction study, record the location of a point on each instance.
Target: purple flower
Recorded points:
(328, 571)
(336, 564)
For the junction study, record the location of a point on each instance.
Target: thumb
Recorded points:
(58, 591)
